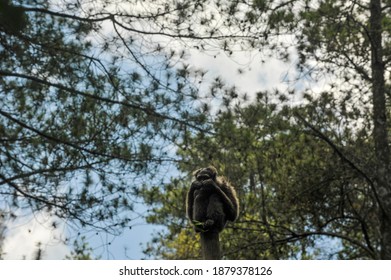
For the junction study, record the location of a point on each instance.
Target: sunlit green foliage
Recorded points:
(81, 250)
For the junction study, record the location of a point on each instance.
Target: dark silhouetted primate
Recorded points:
(211, 201)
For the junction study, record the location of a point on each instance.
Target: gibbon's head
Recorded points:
(206, 173)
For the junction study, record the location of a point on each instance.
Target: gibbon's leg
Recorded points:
(215, 215)
(200, 208)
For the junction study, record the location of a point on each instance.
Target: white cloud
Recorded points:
(245, 70)
(24, 234)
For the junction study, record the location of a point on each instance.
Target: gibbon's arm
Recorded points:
(190, 199)
(232, 210)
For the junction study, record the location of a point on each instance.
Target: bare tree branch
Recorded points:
(323, 137)
(148, 111)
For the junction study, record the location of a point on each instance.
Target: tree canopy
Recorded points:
(97, 99)
(285, 212)
(324, 174)
(86, 108)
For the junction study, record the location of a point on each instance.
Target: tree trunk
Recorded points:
(210, 245)
(380, 134)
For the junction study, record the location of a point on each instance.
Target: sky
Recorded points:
(26, 234)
